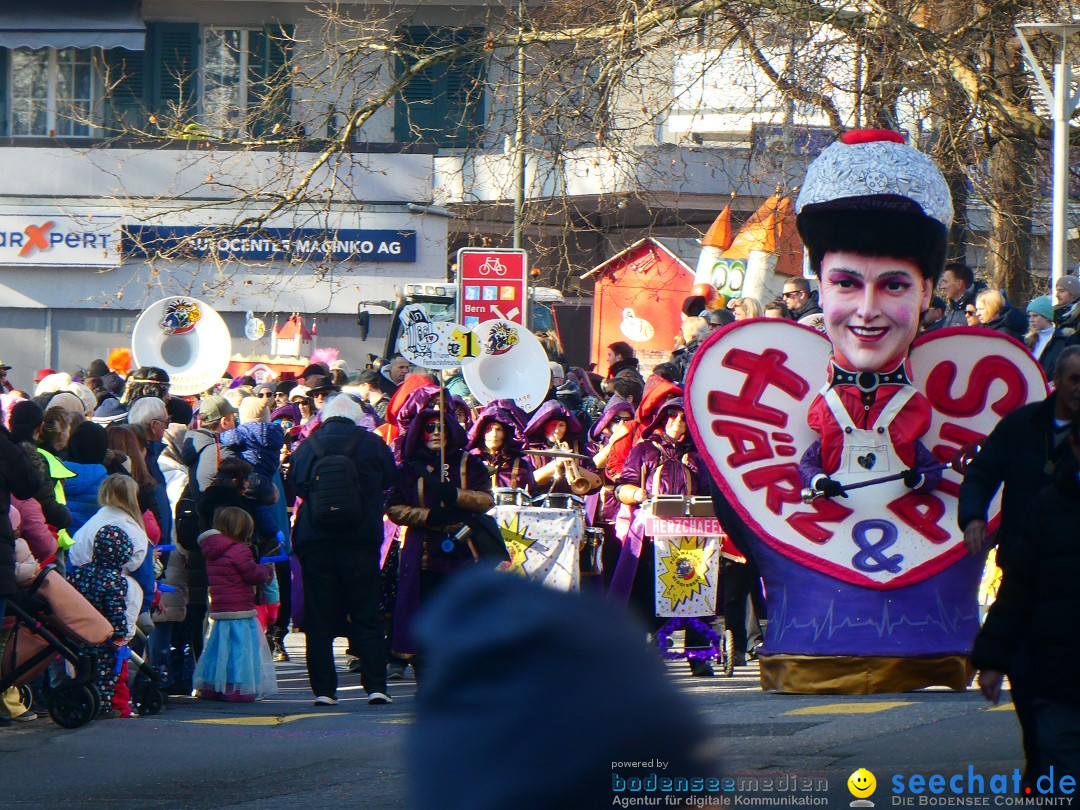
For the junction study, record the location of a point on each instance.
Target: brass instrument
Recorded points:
(580, 481)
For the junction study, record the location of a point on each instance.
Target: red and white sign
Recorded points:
(492, 285)
(748, 392)
(682, 527)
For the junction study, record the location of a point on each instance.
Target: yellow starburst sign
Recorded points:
(518, 543)
(686, 570)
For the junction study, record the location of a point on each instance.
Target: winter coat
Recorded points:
(83, 552)
(26, 566)
(233, 574)
(1020, 452)
(173, 604)
(161, 506)
(259, 443)
(34, 530)
(198, 452)
(56, 512)
(955, 310)
(18, 477)
(1052, 351)
(1038, 602)
(1006, 323)
(375, 473)
(82, 491)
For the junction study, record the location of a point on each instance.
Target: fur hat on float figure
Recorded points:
(872, 195)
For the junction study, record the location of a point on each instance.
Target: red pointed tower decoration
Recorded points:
(293, 339)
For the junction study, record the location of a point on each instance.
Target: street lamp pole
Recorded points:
(1063, 101)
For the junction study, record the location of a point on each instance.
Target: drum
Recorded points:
(511, 496)
(559, 500)
(591, 555)
(544, 544)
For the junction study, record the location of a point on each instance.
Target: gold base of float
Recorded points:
(862, 675)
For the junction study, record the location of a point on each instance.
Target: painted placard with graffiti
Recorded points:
(544, 544)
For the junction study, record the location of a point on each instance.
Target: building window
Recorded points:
(225, 80)
(245, 83)
(444, 104)
(54, 91)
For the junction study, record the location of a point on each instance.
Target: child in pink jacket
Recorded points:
(235, 664)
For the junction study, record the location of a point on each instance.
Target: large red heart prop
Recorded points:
(747, 395)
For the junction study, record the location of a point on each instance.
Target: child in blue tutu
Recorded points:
(235, 664)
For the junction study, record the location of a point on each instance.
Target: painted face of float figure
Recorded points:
(872, 307)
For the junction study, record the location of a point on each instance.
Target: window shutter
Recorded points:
(444, 104)
(174, 61)
(125, 101)
(269, 82)
(5, 90)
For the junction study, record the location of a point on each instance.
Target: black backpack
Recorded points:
(333, 491)
(186, 516)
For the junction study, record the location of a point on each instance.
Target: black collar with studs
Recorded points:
(867, 381)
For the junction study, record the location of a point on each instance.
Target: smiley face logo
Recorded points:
(862, 784)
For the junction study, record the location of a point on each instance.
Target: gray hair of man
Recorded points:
(342, 406)
(144, 410)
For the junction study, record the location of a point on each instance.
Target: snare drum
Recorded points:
(510, 496)
(560, 500)
(591, 555)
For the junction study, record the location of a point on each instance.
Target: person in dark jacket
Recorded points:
(42, 438)
(801, 300)
(341, 569)
(1044, 338)
(623, 364)
(1022, 454)
(18, 477)
(432, 508)
(994, 312)
(958, 288)
(1035, 614)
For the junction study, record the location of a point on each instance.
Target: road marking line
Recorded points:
(262, 721)
(1004, 707)
(850, 708)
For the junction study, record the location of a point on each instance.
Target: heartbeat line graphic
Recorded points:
(947, 618)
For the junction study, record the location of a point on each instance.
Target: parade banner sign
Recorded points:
(544, 544)
(687, 574)
(748, 392)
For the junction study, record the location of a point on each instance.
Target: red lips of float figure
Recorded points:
(869, 586)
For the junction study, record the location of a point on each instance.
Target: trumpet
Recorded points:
(581, 481)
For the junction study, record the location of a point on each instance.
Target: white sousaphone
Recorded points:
(512, 364)
(186, 338)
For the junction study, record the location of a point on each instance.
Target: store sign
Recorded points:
(284, 244)
(60, 240)
(492, 285)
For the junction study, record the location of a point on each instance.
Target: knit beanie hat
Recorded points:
(97, 368)
(490, 638)
(1042, 306)
(254, 409)
(88, 444)
(26, 418)
(109, 411)
(68, 401)
(179, 410)
(1071, 285)
(872, 195)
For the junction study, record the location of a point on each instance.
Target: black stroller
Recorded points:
(51, 618)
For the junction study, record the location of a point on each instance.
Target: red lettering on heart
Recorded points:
(974, 399)
(762, 371)
(748, 443)
(922, 512)
(808, 524)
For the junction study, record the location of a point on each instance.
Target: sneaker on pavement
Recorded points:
(379, 699)
(279, 654)
(25, 717)
(325, 700)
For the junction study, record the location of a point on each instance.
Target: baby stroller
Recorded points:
(51, 618)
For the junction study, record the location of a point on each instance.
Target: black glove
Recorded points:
(912, 479)
(447, 494)
(440, 516)
(830, 488)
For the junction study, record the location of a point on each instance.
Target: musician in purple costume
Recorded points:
(664, 462)
(553, 427)
(430, 509)
(497, 439)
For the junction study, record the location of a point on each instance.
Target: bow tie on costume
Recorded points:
(868, 381)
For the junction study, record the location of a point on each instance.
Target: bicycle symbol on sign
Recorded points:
(492, 265)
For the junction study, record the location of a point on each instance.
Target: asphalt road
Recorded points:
(287, 753)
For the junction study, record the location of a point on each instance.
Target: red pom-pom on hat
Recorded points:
(856, 136)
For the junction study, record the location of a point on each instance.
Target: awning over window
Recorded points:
(73, 24)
